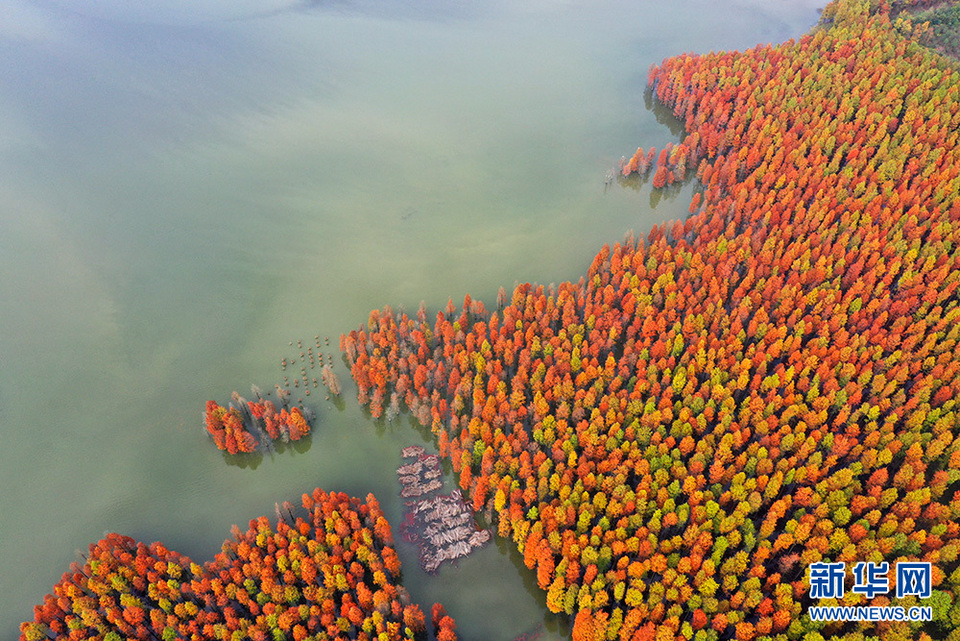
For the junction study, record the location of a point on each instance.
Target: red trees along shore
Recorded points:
(675, 439)
(331, 574)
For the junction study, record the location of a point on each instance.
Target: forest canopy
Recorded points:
(331, 575)
(672, 441)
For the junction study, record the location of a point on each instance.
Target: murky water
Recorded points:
(185, 190)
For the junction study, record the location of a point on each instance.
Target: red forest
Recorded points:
(331, 575)
(674, 440)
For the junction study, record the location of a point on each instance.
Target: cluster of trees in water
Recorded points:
(674, 440)
(245, 426)
(331, 575)
(235, 428)
(442, 525)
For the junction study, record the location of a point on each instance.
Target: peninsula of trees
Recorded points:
(331, 575)
(672, 441)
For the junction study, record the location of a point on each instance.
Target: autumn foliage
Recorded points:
(331, 575)
(673, 440)
(234, 429)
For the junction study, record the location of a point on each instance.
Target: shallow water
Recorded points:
(185, 190)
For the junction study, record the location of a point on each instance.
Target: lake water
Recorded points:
(187, 187)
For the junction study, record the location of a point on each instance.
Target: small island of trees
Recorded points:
(235, 429)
